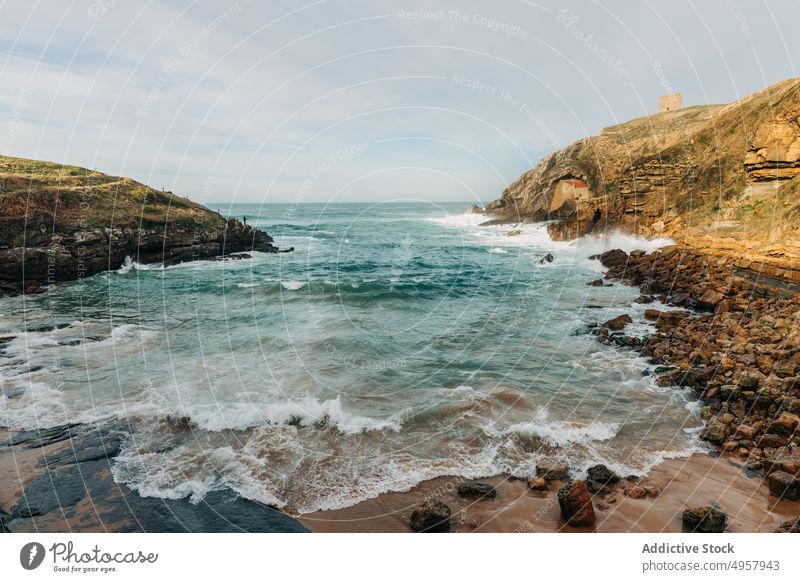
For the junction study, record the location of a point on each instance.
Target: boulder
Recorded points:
(595, 283)
(612, 258)
(705, 520)
(433, 516)
(576, 504)
(771, 441)
(749, 383)
(708, 300)
(636, 492)
(744, 431)
(552, 470)
(783, 462)
(476, 491)
(729, 392)
(537, 484)
(714, 431)
(784, 486)
(602, 474)
(785, 424)
(618, 323)
(515, 232)
(666, 316)
(548, 258)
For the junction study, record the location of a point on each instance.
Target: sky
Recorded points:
(357, 101)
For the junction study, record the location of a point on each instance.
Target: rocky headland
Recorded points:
(61, 223)
(722, 181)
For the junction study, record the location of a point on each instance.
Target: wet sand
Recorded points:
(699, 480)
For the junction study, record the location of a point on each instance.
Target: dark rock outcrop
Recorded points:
(433, 516)
(602, 474)
(705, 520)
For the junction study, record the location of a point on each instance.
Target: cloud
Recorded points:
(257, 95)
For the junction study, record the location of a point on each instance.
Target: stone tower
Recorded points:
(670, 102)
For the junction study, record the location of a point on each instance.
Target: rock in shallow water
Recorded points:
(433, 516)
(477, 491)
(619, 322)
(612, 258)
(705, 520)
(552, 470)
(602, 474)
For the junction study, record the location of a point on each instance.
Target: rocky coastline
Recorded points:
(63, 223)
(71, 256)
(736, 345)
(60, 479)
(733, 337)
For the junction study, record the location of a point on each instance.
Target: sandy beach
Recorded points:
(699, 480)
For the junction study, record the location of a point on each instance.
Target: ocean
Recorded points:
(397, 343)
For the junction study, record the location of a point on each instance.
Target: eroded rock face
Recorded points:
(682, 172)
(774, 153)
(433, 516)
(705, 520)
(69, 256)
(576, 504)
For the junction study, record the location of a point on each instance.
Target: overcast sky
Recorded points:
(360, 101)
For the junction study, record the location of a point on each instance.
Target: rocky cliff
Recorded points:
(722, 177)
(62, 222)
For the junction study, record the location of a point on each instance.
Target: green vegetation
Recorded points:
(39, 198)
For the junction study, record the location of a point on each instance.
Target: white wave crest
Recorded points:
(565, 433)
(129, 265)
(464, 220)
(292, 285)
(592, 245)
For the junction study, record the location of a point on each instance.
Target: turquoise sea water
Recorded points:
(398, 342)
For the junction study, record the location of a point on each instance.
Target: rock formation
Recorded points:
(60, 223)
(719, 176)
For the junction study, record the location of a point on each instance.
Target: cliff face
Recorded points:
(63, 222)
(716, 176)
